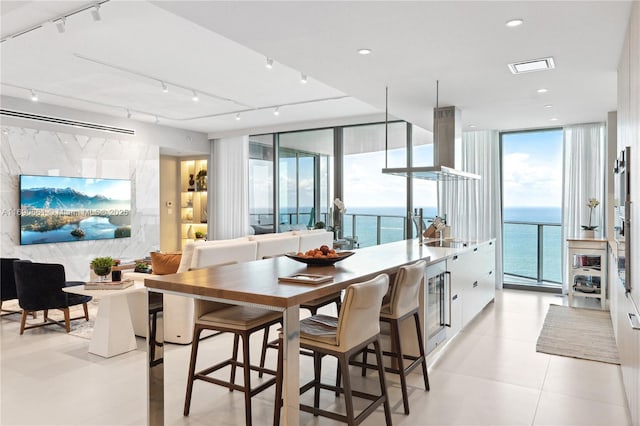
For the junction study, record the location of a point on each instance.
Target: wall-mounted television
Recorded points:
(55, 209)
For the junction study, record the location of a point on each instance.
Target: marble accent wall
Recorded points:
(28, 150)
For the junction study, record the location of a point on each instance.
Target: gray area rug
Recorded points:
(578, 333)
(80, 327)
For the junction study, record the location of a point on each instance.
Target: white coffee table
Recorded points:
(112, 332)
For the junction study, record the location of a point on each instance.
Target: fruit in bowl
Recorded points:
(323, 252)
(318, 257)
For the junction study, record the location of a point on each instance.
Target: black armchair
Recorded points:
(7, 283)
(39, 287)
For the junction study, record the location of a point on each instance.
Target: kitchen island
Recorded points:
(256, 284)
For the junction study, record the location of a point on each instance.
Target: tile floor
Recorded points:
(489, 375)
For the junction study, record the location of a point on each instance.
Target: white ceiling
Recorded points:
(219, 49)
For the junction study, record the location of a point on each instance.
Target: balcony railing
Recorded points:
(371, 229)
(532, 250)
(366, 229)
(532, 253)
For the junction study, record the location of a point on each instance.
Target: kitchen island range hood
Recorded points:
(447, 131)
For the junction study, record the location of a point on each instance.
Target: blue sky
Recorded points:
(532, 174)
(532, 169)
(115, 189)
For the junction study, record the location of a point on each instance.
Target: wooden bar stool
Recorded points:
(356, 328)
(403, 303)
(242, 321)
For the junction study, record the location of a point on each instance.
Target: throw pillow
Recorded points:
(165, 263)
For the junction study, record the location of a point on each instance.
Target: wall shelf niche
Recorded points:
(193, 199)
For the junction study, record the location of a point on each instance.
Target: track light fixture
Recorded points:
(34, 96)
(95, 13)
(157, 120)
(269, 63)
(303, 78)
(128, 113)
(60, 20)
(195, 97)
(276, 111)
(238, 117)
(165, 88)
(61, 25)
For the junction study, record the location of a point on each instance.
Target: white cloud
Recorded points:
(530, 182)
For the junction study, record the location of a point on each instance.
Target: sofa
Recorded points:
(179, 311)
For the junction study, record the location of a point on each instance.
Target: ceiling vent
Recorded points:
(532, 65)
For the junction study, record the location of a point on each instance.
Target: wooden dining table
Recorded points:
(256, 284)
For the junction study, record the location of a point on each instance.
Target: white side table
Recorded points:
(587, 269)
(112, 332)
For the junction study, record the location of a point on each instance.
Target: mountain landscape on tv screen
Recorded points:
(49, 215)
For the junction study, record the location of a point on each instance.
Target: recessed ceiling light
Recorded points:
(553, 119)
(542, 90)
(512, 23)
(531, 65)
(364, 51)
(548, 106)
(473, 126)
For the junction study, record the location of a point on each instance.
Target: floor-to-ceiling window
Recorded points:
(304, 177)
(425, 192)
(302, 180)
(532, 200)
(261, 212)
(376, 203)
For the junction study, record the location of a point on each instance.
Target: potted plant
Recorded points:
(199, 234)
(588, 230)
(102, 266)
(141, 267)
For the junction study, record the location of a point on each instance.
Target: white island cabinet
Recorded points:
(459, 283)
(472, 280)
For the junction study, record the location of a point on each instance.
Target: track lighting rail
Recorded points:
(60, 18)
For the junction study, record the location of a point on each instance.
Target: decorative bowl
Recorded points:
(320, 261)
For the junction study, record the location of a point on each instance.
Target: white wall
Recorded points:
(34, 147)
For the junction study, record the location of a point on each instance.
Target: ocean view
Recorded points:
(520, 239)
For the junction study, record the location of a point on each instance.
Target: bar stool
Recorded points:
(312, 306)
(403, 303)
(356, 327)
(242, 321)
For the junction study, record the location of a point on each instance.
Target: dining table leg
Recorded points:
(291, 366)
(155, 360)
